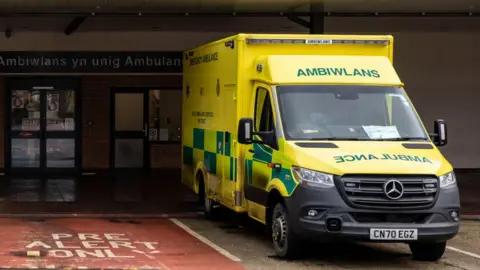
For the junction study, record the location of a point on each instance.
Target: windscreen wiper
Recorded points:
(403, 139)
(334, 139)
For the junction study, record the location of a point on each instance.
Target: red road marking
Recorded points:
(96, 243)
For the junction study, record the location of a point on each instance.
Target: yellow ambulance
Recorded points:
(315, 137)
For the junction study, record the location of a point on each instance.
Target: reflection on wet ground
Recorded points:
(36, 190)
(155, 192)
(135, 193)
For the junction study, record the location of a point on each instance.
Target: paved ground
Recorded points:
(249, 244)
(112, 244)
(196, 243)
(178, 247)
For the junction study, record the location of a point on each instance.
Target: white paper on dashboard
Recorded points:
(381, 132)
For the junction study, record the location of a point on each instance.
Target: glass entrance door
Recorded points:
(129, 147)
(43, 127)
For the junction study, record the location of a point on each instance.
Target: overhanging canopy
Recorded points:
(235, 6)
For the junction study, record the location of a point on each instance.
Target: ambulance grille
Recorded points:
(369, 191)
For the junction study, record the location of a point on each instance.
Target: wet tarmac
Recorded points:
(246, 240)
(136, 193)
(186, 243)
(152, 193)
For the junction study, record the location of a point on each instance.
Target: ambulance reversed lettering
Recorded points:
(360, 72)
(354, 158)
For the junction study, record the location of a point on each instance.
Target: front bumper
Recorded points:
(434, 224)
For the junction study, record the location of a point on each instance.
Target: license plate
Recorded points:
(393, 234)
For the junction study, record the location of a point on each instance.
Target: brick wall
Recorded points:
(96, 108)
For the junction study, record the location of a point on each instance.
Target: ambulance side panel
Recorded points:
(210, 120)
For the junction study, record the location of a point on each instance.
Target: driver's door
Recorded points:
(259, 155)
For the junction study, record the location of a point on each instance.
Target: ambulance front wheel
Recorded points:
(287, 245)
(430, 252)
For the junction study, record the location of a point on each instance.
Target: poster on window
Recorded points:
(70, 101)
(53, 103)
(69, 124)
(18, 101)
(30, 124)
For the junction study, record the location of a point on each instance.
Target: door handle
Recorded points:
(251, 151)
(145, 130)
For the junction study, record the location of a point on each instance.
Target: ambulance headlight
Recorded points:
(313, 178)
(448, 180)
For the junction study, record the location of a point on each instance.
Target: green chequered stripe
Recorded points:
(216, 145)
(187, 155)
(198, 138)
(233, 167)
(264, 155)
(285, 175)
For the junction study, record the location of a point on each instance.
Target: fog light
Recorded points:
(454, 215)
(312, 213)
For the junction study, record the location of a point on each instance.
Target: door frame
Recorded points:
(28, 82)
(146, 146)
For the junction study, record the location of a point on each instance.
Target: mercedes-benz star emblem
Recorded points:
(393, 189)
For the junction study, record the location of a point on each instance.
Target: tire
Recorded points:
(286, 244)
(211, 213)
(429, 252)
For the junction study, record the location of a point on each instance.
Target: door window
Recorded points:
(60, 110)
(42, 125)
(25, 113)
(263, 111)
(165, 116)
(130, 129)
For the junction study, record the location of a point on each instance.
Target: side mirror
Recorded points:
(440, 132)
(245, 131)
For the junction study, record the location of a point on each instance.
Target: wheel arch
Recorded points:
(200, 177)
(274, 197)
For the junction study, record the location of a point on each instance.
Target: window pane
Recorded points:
(25, 110)
(267, 117)
(60, 110)
(153, 114)
(129, 112)
(26, 153)
(61, 153)
(259, 105)
(165, 115)
(351, 112)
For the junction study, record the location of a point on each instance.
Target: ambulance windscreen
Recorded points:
(348, 113)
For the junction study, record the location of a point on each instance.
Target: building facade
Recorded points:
(110, 95)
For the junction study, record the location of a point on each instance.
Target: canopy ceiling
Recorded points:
(233, 6)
